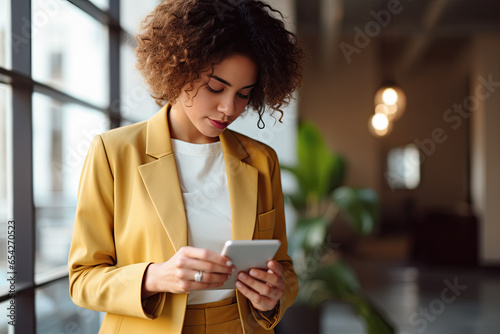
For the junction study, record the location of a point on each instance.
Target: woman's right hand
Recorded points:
(177, 274)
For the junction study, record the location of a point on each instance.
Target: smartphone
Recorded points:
(248, 254)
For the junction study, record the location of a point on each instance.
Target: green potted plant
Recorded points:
(322, 273)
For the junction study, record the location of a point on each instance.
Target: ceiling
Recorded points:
(418, 29)
(442, 17)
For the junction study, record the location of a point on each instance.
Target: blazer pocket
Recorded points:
(266, 224)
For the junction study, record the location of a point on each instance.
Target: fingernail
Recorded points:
(243, 276)
(229, 263)
(239, 285)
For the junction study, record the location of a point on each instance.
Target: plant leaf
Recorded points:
(359, 207)
(309, 233)
(312, 292)
(297, 200)
(341, 281)
(337, 172)
(315, 161)
(374, 320)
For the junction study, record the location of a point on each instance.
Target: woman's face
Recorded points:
(202, 114)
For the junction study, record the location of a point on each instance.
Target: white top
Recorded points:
(202, 176)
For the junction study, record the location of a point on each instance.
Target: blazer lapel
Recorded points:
(242, 182)
(162, 182)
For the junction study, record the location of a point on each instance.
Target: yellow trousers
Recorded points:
(213, 318)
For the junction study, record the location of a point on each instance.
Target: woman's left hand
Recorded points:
(263, 288)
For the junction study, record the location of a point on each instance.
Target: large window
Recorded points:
(61, 138)
(70, 51)
(403, 167)
(60, 82)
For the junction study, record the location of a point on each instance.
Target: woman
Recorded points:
(158, 199)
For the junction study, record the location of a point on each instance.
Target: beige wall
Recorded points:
(486, 145)
(339, 101)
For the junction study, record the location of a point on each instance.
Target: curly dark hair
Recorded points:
(182, 38)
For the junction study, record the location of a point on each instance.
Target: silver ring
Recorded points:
(198, 276)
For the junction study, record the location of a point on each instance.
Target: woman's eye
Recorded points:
(210, 89)
(215, 91)
(246, 97)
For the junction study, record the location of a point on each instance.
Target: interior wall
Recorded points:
(485, 142)
(339, 101)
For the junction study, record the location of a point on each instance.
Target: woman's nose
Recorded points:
(227, 106)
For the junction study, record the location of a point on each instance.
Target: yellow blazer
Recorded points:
(130, 213)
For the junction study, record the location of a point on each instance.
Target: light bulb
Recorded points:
(390, 96)
(380, 122)
(380, 125)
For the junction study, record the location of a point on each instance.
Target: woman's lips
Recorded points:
(219, 125)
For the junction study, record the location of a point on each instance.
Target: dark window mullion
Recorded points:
(22, 171)
(114, 66)
(106, 18)
(18, 79)
(64, 97)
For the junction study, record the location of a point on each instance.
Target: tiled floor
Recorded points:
(423, 299)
